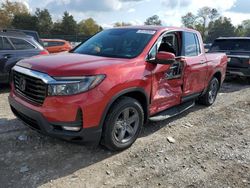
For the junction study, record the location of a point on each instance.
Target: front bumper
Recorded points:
(245, 72)
(36, 121)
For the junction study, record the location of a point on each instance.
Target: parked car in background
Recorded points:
(207, 46)
(109, 86)
(75, 44)
(31, 33)
(238, 53)
(15, 46)
(56, 45)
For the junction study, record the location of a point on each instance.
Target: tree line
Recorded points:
(16, 15)
(212, 25)
(207, 20)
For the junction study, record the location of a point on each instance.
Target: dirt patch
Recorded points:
(211, 149)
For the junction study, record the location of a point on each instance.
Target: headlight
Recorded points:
(73, 85)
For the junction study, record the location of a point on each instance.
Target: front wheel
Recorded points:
(248, 80)
(123, 124)
(209, 97)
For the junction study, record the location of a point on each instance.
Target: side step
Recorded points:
(172, 111)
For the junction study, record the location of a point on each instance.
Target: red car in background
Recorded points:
(56, 45)
(109, 86)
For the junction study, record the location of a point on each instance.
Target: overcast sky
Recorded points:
(107, 12)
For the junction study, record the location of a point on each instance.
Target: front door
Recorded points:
(167, 79)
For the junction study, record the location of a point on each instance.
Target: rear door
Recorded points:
(7, 57)
(196, 65)
(3, 59)
(20, 49)
(24, 48)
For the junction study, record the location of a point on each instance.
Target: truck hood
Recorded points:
(70, 64)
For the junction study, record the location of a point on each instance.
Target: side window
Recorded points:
(46, 44)
(1, 43)
(198, 44)
(60, 43)
(50, 44)
(6, 44)
(21, 44)
(169, 43)
(55, 43)
(153, 51)
(190, 45)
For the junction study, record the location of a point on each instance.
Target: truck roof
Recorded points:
(14, 34)
(159, 28)
(53, 40)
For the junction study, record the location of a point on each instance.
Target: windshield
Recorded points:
(231, 45)
(119, 43)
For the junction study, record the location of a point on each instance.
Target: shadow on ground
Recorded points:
(152, 127)
(234, 84)
(4, 88)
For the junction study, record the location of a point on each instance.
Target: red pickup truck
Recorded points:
(105, 89)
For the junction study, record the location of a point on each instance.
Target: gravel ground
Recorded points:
(203, 147)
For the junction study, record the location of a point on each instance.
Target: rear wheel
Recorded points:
(123, 124)
(210, 96)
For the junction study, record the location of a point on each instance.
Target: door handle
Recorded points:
(7, 56)
(202, 61)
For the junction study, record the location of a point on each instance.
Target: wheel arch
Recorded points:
(136, 93)
(218, 75)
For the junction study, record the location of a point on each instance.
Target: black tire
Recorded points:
(119, 124)
(210, 96)
(248, 80)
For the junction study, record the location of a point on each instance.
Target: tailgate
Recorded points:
(238, 61)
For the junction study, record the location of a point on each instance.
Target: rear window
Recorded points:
(32, 34)
(6, 44)
(20, 44)
(191, 45)
(230, 45)
(45, 44)
(53, 43)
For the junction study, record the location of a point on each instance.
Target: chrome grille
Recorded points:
(31, 88)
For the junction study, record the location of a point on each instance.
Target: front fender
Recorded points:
(125, 92)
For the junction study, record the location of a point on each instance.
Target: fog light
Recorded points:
(71, 128)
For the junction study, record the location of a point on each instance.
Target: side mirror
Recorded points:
(165, 58)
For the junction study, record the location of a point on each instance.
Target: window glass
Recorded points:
(45, 44)
(120, 43)
(55, 43)
(153, 51)
(169, 43)
(1, 43)
(230, 45)
(20, 44)
(191, 48)
(198, 44)
(6, 44)
(60, 43)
